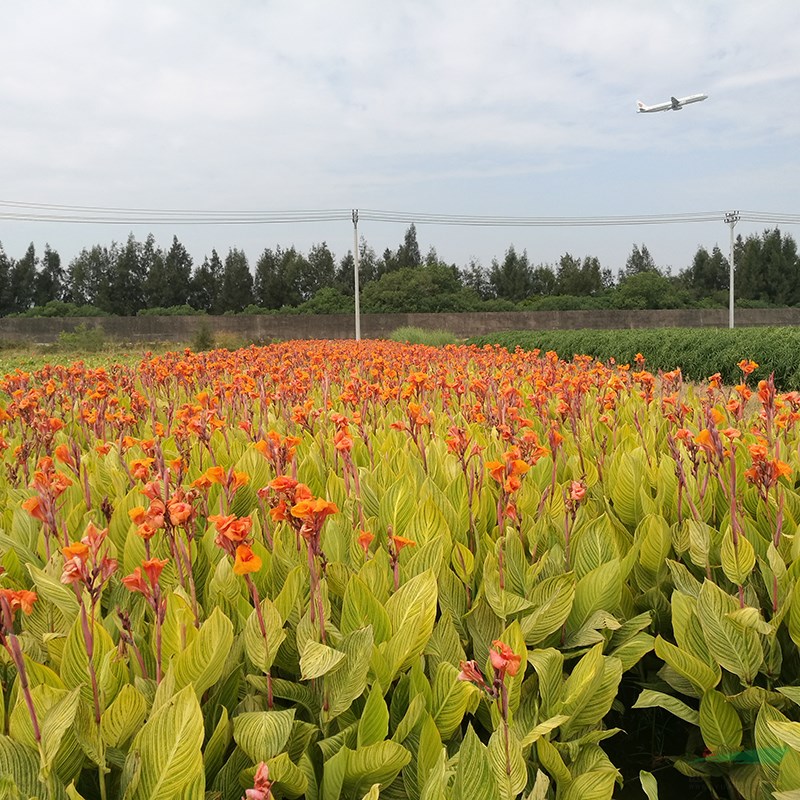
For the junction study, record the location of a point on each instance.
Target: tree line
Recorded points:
(141, 277)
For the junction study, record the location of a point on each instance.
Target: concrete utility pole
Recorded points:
(731, 218)
(355, 274)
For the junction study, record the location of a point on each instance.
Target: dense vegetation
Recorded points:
(697, 352)
(361, 570)
(139, 277)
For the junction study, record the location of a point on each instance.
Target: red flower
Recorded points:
(504, 659)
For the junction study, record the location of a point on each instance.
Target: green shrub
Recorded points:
(699, 352)
(82, 339)
(432, 338)
(56, 308)
(171, 311)
(203, 339)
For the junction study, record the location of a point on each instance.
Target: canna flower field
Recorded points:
(367, 569)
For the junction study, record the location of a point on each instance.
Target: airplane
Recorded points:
(675, 103)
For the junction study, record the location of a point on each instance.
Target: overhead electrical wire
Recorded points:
(109, 215)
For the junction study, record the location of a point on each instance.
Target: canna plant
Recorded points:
(332, 570)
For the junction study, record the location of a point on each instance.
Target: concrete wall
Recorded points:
(341, 326)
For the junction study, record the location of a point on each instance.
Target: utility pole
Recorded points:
(731, 218)
(355, 274)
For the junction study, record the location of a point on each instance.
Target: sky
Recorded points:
(509, 107)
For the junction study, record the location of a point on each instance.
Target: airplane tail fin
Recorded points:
(640, 105)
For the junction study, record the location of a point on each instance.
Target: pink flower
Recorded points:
(261, 785)
(470, 672)
(577, 491)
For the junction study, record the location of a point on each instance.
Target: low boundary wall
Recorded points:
(374, 326)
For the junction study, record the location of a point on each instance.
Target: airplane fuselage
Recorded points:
(674, 104)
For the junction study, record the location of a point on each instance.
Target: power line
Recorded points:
(111, 215)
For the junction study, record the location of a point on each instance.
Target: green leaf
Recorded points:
(552, 601)
(599, 590)
(288, 779)
(202, 662)
(360, 608)
(734, 647)
(111, 671)
(549, 665)
(649, 784)
(58, 720)
(451, 699)
(597, 784)
(262, 650)
(55, 592)
(262, 734)
(318, 659)
(633, 650)
(543, 728)
(22, 764)
(697, 672)
(474, 776)
(353, 772)
(551, 760)
(787, 732)
(373, 727)
(167, 751)
(217, 746)
(507, 763)
(769, 747)
(123, 718)
(652, 699)
(737, 562)
(412, 613)
(719, 723)
(348, 682)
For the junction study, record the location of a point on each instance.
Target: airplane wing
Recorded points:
(676, 104)
(644, 109)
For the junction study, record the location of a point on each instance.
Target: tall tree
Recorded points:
(476, 277)
(178, 272)
(128, 276)
(768, 269)
(543, 281)
(5, 283)
(511, 280)
(639, 261)
(205, 283)
(408, 254)
(367, 269)
(320, 271)
(265, 285)
(156, 283)
(708, 272)
(236, 291)
(22, 280)
(50, 278)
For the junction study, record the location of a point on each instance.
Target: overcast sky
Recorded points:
(440, 106)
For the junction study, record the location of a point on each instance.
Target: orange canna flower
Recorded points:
(78, 550)
(62, 454)
(137, 515)
(153, 568)
(246, 560)
(19, 599)
(179, 512)
(33, 505)
(365, 540)
(400, 542)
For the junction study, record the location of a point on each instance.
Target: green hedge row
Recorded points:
(699, 352)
